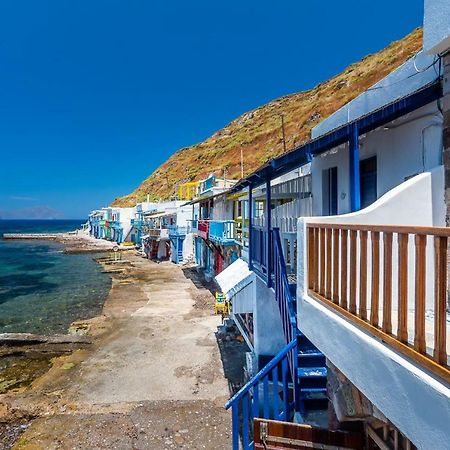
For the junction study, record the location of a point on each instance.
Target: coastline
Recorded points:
(78, 241)
(36, 351)
(128, 301)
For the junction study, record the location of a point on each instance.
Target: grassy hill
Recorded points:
(258, 131)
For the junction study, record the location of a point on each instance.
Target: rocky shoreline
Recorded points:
(78, 241)
(18, 348)
(25, 357)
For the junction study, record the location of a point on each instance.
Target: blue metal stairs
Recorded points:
(312, 376)
(311, 384)
(292, 386)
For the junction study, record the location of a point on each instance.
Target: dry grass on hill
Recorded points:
(258, 132)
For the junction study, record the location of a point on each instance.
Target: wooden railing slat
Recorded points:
(311, 258)
(344, 235)
(402, 331)
(420, 277)
(363, 276)
(353, 262)
(375, 294)
(336, 235)
(329, 268)
(322, 262)
(440, 297)
(316, 259)
(387, 284)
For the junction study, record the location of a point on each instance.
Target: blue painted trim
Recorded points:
(355, 189)
(250, 226)
(268, 230)
(262, 373)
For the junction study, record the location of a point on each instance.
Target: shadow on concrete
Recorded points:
(199, 280)
(232, 352)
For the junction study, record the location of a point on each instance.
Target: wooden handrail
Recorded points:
(404, 229)
(338, 274)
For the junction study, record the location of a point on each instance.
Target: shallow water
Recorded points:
(43, 290)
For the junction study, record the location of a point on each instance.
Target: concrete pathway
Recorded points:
(153, 378)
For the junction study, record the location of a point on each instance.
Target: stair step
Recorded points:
(312, 372)
(310, 354)
(311, 359)
(310, 396)
(306, 390)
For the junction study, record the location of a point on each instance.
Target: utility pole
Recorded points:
(242, 163)
(282, 129)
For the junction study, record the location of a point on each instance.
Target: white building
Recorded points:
(365, 309)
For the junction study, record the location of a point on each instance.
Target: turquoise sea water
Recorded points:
(43, 290)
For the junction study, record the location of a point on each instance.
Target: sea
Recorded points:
(42, 289)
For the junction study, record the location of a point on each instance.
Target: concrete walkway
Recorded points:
(153, 378)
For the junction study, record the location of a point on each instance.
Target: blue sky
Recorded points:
(95, 94)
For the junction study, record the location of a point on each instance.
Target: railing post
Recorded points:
(420, 291)
(269, 239)
(440, 292)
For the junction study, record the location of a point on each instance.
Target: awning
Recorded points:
(157, 214)
(234, 278)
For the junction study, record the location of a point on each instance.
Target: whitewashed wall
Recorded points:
(126, 214)
(188, 247)
(267, 326)
(436, 26)
(407, 147)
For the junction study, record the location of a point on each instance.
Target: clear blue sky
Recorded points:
(95, 94)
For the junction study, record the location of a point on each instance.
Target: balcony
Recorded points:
(175, 230)
(378, 293)
(158, 233)
(137, 223)
(222, 232)
(203, 229)
(194, 225)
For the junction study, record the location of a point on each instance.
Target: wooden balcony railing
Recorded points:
(392, 280)
(203, 229)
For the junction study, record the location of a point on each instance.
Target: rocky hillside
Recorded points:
(258, 132)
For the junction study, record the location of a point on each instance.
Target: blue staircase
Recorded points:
(312, 376)
(296, 377)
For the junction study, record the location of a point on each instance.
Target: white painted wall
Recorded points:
(223, 208)
(408, 146)
(126, 214)
(417, 202)
(416, 403)
(188, 247)
(184, 213)
(162, 252)
(267, 325)
(436, 26)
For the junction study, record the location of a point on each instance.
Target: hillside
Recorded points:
(258, 131)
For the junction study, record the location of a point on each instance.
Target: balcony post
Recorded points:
(355, 189)
(250, 222)
(269, 237)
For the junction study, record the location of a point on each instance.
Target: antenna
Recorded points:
(282, 129)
